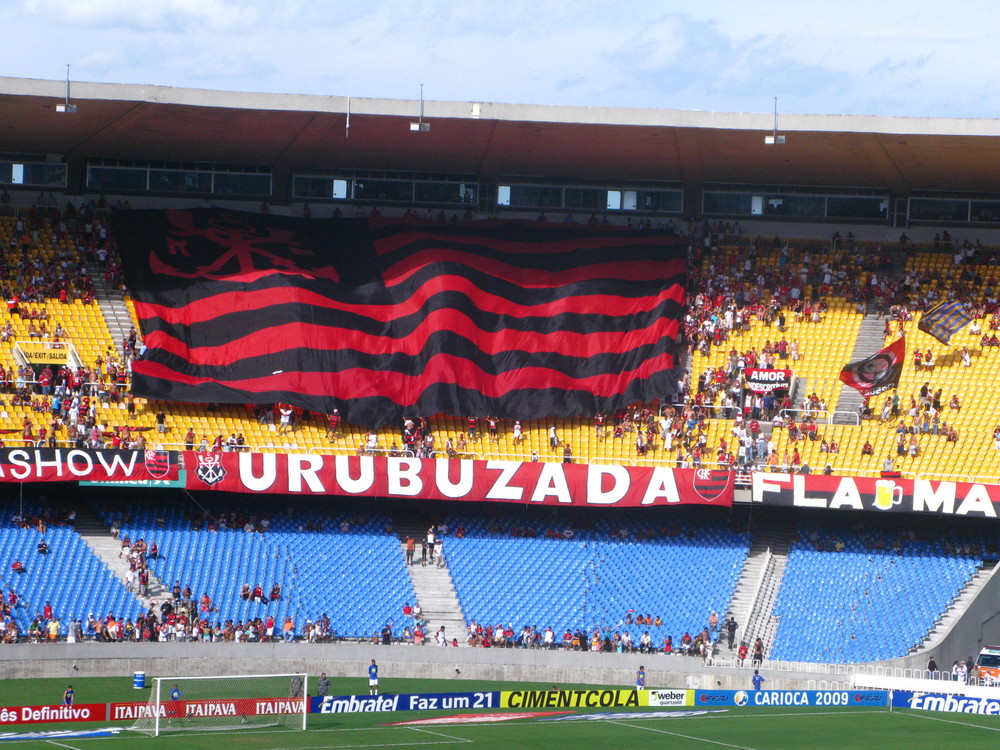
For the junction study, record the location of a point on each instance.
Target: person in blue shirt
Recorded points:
(757, 680)
(373, 678)
(174, 708)
(68, 696)
(640, 678)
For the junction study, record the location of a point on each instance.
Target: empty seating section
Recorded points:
(352, 570)
(71, 577)
(595, 578)
(875, 599)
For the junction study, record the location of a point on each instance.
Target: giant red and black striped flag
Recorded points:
(516, 319)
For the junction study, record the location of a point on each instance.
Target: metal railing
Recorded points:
(830, 415)
(364, 450)
(196, 447)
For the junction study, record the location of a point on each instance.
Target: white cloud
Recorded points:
(845, 57)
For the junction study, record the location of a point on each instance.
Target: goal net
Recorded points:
(178, 704)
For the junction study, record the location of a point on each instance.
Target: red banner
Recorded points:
(444, 479)
(881, 495)
(208, 708)
(61, 465)
(53, 714)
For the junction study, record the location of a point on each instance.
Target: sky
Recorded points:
(916, 58)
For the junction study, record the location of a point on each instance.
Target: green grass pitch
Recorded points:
(742, 729)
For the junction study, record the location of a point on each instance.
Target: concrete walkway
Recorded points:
(435, 591)
(95, 533)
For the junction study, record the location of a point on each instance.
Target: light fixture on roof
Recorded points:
(774, 138)
(66, 107)
(420, 126)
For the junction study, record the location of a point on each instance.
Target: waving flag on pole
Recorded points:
(879, 372)
(943, 320)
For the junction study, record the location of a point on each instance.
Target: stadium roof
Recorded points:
(126, 121)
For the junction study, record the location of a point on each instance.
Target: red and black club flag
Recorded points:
(515, 319)
(879, 372)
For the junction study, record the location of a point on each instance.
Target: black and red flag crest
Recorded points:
(879, 372)
(515, 319)
(157, 463)
(711, 484)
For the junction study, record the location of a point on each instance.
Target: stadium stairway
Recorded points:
(741, 607)
(436, 593)
(957, 608)
(760, 581)
(113, 308)
(95, 533)
(870, 340)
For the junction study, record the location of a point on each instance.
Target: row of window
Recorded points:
(251, 182)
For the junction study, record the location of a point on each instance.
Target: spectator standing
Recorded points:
(410, 547)
(731, 628)
(430, 542)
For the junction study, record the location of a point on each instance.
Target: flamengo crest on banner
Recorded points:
(761, 380)
(880, 495)
(445, 479)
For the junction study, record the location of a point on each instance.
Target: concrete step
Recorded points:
(435, 591)
(93, 531)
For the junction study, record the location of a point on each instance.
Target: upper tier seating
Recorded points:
(824, 347)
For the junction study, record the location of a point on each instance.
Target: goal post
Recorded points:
(179, 704)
